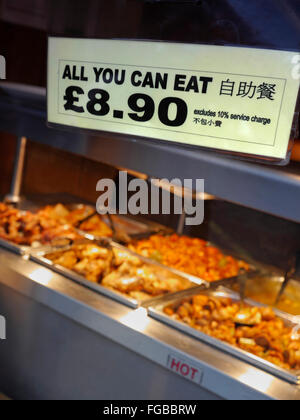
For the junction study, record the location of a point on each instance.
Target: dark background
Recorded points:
(25, 25)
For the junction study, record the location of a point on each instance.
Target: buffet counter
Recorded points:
(66, 341)
(82, 314)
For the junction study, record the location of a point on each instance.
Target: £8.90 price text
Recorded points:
(142, 106)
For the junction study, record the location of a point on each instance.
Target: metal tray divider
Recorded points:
(10, 246)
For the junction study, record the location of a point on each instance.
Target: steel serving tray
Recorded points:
(264, 288)
(72, 275)
(10, 246)
(253, 270)
(156, 311)
(39, 255)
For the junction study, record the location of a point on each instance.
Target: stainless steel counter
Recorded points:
(65, 341)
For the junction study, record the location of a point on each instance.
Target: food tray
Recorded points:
(130, 225)
(23, 249)
(264, 288)
(228, 281)
(39, 256)
(156, 311)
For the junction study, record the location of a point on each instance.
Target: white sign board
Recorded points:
(240, 100)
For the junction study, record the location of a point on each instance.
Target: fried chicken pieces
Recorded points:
(26, 228)
(51, 222)
(88, 260)
(94, 225)
(255, 330)
(118, 270)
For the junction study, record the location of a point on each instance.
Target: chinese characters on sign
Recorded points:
(250, 90)
(204, 121)
(242, 89)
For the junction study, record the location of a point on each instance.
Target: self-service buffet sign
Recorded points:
(239, 100)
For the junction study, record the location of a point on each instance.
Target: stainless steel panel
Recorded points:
(51, 357)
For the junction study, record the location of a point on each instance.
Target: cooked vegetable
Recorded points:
(191, 255)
